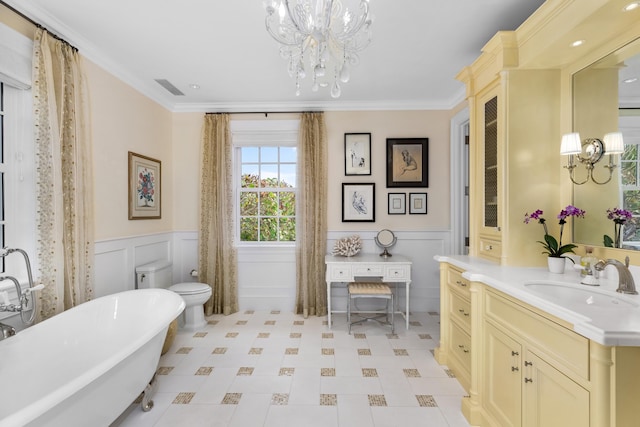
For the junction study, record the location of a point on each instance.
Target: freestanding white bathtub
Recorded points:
(85, 366)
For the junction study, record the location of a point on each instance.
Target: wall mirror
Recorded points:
(385, 239)
(606, 98)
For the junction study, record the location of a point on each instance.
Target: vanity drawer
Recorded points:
(568, 348)
(458, 282)
(460, 350)
(460, 308)
(366, 270)
(340, 273)
(400, 272)
(491, 249)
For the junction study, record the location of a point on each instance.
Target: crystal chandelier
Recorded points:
(328, 34)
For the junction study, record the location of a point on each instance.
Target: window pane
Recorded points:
(268, 203)
(629, 173)
(249, 176)
(288, 155)
(631, 201)
(287, 176)
(287, 229)
(269, 154)
(269, 175)
(248, 204)
(631, 230)
(249, 155)
(249, 229)
(288, 203)
(268, 229)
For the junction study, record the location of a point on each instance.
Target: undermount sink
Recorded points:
(578, 294)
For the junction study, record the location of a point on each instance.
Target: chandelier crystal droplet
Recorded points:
(327, 34)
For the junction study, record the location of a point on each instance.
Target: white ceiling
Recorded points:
(418, 47)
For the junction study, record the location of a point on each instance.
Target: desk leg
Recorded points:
(329, 304)
(407, 298)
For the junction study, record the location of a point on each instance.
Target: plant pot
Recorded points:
(556, 264)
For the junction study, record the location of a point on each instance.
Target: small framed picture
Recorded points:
(357, 154)
(144, 187)
(407, 162)
(358, 202)
(418, 203)
(397, 204)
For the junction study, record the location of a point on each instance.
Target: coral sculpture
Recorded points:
(347, 246)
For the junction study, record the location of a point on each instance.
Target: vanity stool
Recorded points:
(371, 290)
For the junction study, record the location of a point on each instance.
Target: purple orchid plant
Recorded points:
(552, 247)
(619, 218)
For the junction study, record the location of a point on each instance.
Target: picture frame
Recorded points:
(407, 162)
(418, 203)
(357, 154)
(145, 187)
(358, 202)
(397, 204)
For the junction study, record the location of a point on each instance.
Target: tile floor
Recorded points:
(277, 369)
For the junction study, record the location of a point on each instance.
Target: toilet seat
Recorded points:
(190, 288)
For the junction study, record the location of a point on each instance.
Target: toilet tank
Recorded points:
(156, 274)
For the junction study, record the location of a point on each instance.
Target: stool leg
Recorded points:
(393, 313)
(349, 311)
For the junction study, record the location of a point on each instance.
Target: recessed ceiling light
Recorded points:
(630, 80)
(577, 43)
(631, 6)
(194, 86)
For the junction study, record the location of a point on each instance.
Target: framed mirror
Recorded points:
(385, 239)
(606, 98)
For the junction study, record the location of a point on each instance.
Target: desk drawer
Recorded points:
(396, 272)
(340, 273)
(365, 270)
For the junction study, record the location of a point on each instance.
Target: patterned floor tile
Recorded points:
(328, 351)
(286, 372)
(231, 398)
(270, 322)
(264, 335)
(245, 371)
(327, 372)
(328, 400)
(364, 352)
(327, 335)
(232, 335)
(393, 336)
(369, 372)
(411, 373)
(164, 370)
(241, 322)
(360, 336)
(184, 350)
(275, 311)
(434, 313)
(295, 335)
(249, 312)
(200, 334)
(400, 352)
(450, 373)
(298, 322)
(204, 370)
(255, 350)
(377, 400)
(213, 322)
(280, 399)
(291, 351)
(425, 336)
(219, 350)
(183, 398)
(415, 323)
(426, 400)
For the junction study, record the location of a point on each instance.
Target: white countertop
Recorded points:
(614, 325)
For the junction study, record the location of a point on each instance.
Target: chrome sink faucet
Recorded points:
(6, 331)
(626, 285)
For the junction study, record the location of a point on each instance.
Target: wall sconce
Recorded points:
(589, 152)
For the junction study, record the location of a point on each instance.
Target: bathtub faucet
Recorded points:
(5, 305)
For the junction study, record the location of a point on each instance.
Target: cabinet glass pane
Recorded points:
(491, 163)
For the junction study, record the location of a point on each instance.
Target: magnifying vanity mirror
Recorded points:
(385, 239)
(606, 98)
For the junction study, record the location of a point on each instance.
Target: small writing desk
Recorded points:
(394, 269)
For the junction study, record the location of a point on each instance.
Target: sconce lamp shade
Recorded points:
(571, 144)
(613, 143)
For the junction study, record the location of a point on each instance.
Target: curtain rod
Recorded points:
(266, 113)
(37, 24)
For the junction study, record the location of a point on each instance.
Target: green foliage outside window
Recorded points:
(630, 196)
(267, 210)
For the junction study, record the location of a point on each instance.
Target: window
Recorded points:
(630, 178)
(3, 170)
(265, 176)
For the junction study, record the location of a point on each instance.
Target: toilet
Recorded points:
(158, 274)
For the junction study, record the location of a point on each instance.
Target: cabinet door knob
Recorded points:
(514, 369)
(488, 248)
(528, 380)
(515, 353)
(528, 363)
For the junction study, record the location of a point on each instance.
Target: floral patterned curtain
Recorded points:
(217, 253)
(64, 176)
(311, 214)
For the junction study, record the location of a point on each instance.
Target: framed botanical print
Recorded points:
(417, 203)
(357, 154)
(407, 162)
(144, 187)
(397, 204)
(358, 202)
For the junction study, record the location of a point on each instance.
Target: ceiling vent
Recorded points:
(168, 86)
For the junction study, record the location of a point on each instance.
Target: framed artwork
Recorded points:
(397, 204)
(407, 162)
(144, 187)
(357, 154)
(418, 203)
(358, 202)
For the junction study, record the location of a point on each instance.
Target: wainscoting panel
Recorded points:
(267, 276)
